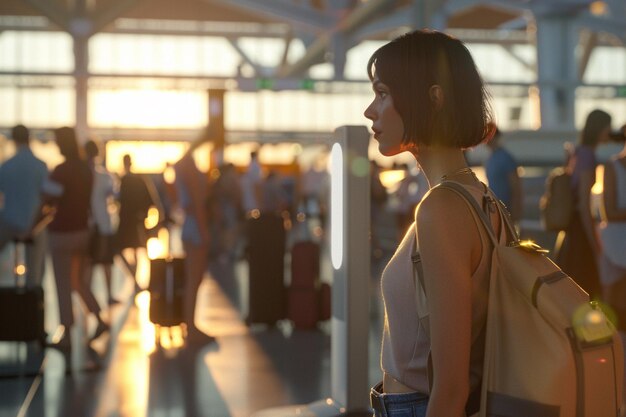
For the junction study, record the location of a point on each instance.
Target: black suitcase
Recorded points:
(21, 308)
(266, 266)
(167, 287)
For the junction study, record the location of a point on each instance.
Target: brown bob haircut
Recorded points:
(414, 62)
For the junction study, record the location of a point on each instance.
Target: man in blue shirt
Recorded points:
(22, 178)
(501, 170)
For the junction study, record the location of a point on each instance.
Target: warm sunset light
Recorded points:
(236, 264)
(146, 328)
(148, 108)
(152, 218)
(598, 187)
(158, 246)
(169, 175)
(391, 178)
(147, 156)
(20, 270)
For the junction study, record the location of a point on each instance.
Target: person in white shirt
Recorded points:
(101, 245)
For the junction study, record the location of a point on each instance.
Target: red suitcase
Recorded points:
(303, 294)
(325, 302)
(302, 307)
(305, 264)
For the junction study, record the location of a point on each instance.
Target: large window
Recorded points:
(178, 70)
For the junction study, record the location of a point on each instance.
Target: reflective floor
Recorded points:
(139, 371)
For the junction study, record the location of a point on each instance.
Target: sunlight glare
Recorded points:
(392, 177)
(152, 218)
(169, 175)
(147, 156)
(147, 329)
(598, 187)
(20, 270)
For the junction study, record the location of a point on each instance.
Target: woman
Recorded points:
(578, 248)
(69, 233)
(430, 101)
(136, 195)
(192, 190)
(101, 245)
(613, 233)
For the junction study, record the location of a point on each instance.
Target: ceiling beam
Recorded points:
(315, 53)
(304, 17)
(111, 12)
(588, 44)
(610, 25)
(399, 18)
(510, 52)
(258, 70)
(51, 9)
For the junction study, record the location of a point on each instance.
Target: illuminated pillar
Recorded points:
(350, 258)
(81, 77)
(216, 124)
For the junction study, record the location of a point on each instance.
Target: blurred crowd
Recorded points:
(83, 217)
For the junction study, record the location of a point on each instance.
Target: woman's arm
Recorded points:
(587, 179)
(611, 211)
(450, 247)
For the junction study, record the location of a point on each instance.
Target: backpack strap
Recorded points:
(421, 300)
(505, 217)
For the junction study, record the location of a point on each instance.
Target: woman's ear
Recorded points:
(436, 96)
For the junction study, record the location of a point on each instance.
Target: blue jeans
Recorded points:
(412, 404)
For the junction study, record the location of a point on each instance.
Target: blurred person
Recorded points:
(227, 210)
(136, 195)
(192, 190)
(378, 194)
(429, 100)
(69, 233)
(251, 183)
(410, 192)
(273, 198)
(312, 188)
(613, 233)
(22, 180)
(578, 248)
(502, 177)
(102, 234)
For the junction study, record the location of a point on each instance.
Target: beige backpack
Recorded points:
(549, 351)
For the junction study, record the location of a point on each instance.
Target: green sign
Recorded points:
(307, 84)
(264, 84)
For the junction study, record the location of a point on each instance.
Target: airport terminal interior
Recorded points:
(273, 84)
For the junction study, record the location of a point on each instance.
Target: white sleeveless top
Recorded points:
(405, 343)
(612, 233)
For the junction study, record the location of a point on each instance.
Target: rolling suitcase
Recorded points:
(303, 293)
(167, 286)
(305, 264)
(266, 265)
(21, 307)
(325, 310)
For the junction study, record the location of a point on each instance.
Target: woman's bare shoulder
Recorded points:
(441, 205)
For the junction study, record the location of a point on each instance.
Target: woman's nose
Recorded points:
(369, 113)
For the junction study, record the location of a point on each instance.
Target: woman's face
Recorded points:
(387, 124)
